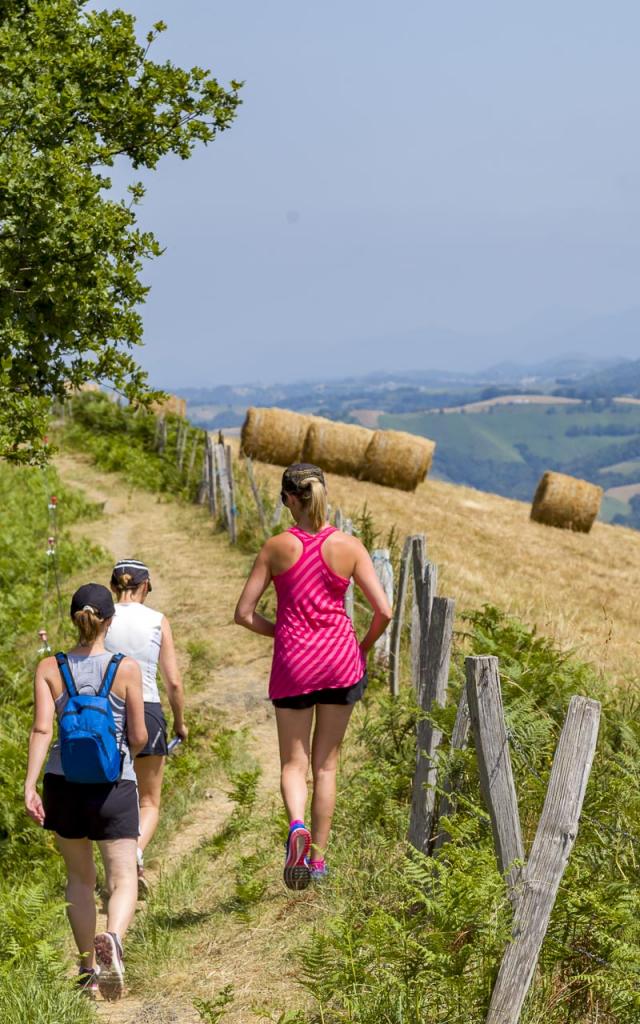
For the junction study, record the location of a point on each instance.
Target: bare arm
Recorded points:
(365, 576)
(259, 579)
(39, 740)
(168, 664)
(131, 677)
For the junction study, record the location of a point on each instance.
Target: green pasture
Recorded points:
(507, 448)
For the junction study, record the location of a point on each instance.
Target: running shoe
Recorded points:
(296, 868)
(110, 965)
(87, 982)
(319, 873)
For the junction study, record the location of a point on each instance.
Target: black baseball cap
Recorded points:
(93, 597)
(296, 476)
(137, 570)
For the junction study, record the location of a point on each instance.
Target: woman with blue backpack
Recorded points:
(89, 791)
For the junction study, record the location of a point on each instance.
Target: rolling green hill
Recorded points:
(506, 448)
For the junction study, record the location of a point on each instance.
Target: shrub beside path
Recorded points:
(215, 940)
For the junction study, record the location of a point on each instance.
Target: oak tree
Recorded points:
(78, 92)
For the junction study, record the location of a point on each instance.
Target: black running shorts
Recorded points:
(332, 695)
(91, 810)
(156, 723)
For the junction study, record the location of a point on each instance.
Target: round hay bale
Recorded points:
(397, 459)
(566, 502)
(171, 405)
(274, 435)
(336, 447)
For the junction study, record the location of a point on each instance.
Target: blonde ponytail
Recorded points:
(306, 482)
(316, 503)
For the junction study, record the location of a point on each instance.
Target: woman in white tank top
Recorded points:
(145, 634)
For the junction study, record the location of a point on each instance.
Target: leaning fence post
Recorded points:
(552, 846)
(418, 559)
(381, 558)
(458, 742)
(233, 511)
(429, 737)
(211, 478)
(257, 497)
(494, 763)
(398, 617)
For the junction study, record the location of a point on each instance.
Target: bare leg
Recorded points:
(119, 858)
(331, 725)
(149, 771)
(294, 736)
(79, 893)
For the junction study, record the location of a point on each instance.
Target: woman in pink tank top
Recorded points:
(319, 666)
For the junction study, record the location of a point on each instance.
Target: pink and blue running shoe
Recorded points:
(318, 870)
(296, 867)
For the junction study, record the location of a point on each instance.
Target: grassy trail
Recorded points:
(220, 920)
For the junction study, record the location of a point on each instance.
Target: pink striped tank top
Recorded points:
(315, 646)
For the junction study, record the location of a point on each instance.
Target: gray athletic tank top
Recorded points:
(88, 671)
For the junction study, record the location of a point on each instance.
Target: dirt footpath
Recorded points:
(196, 580)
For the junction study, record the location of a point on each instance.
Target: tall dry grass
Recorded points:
(580, 589)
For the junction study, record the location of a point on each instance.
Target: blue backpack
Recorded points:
(87, 729)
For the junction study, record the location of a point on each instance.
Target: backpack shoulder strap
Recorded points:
(110, 675)
(65, 673)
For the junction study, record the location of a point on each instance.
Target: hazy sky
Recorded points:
(397, 172)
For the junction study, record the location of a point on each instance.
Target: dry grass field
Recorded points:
(582, 589)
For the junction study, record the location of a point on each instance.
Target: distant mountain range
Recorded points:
(609, 382)
(562, 413)
(416, 390)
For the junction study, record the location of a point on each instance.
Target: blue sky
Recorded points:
(407, 185)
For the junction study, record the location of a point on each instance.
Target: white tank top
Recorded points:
(137, 632)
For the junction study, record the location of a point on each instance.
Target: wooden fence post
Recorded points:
(338, 519)
(418, 560)
(429, 737)
(494, 762)
(425, 594)
(554, 840)
(257, 497)
(192, 456)
(398, 617)
(233, 511)
(223, 477)
(203, 486)
(181, 444)
(459, 738)
(211, 478)
(381, 558)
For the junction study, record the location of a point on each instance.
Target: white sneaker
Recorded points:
(110, 965)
